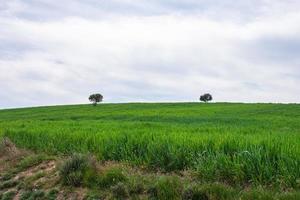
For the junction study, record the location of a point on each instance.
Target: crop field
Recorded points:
(239, 144)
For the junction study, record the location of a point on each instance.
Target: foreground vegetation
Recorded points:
(240, 145)
(28, 176)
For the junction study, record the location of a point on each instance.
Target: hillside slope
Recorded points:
(256, 144)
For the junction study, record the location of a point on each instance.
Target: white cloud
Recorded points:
(159, 57)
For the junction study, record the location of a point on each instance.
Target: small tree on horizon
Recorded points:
(206, 97)
(95, 98)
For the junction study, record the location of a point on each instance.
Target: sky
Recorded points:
(59, 52)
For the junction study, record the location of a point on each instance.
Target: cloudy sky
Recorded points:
(58, 52)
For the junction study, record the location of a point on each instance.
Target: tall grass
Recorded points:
(235, 143)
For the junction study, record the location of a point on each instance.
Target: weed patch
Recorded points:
(111, 177)
(167, 188)
(73, 170)
(8, 195)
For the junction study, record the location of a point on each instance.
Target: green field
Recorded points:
(240, 144)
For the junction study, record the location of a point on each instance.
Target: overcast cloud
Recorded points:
(58, 52)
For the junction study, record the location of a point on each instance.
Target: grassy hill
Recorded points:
(232, 143)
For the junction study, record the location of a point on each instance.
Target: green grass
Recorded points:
(257, 144)
(167, 188)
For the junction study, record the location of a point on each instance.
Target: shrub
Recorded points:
(257, 195)
(52, 194)
(112, 177)
(291, 196)
(167, 188)
(209, 191)
(90, 177)
(25, 195)
(194, 194)
(218, 191)
(38, 195)
(74, 170)
(92, 195)
(31, 161)
(8, 195)
(119, 191)
(8, 175)
(33, 195)
(8, 184)
(136, 185)
(8, 148)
